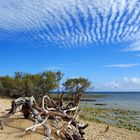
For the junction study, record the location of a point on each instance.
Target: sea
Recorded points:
(117, 100)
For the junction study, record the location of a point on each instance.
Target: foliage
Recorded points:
(24, 84)
(76, 85)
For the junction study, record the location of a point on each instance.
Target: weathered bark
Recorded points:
(70, 128)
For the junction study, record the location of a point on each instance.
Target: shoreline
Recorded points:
(124, 101)
(14, 129)
(113, 117)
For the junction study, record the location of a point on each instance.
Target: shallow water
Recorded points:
(118, 100)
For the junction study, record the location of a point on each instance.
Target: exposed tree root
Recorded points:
(63, 117)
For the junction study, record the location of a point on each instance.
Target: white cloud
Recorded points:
(66, 23)
(124, 65)
(107, 85)
(52, 68)
(133, 80)
(57, 67)
(125, 84)
(134, 46)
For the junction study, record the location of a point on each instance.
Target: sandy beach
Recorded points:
(14, 129)
(73, 68)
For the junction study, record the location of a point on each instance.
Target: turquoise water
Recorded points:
(118, 100)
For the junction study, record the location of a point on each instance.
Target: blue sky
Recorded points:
(94, 39)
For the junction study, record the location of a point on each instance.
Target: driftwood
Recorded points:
(63, 117)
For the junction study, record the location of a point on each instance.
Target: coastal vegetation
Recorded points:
(25, 84)
(76, 85)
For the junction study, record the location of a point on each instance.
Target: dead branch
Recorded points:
(65, 116)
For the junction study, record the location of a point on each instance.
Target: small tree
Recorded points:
(50, 81)
(76, 85)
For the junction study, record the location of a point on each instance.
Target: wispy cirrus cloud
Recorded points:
(70, 23)
(124, 65)
(55, 68)
(52, 68)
